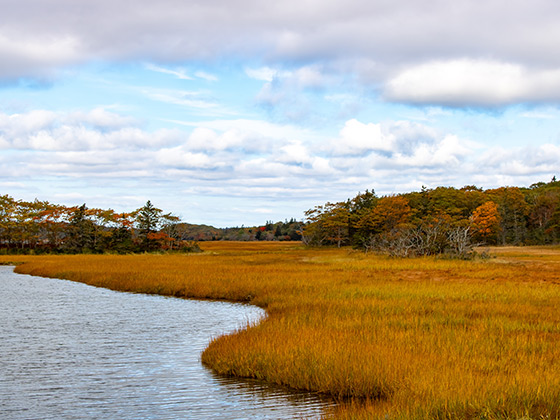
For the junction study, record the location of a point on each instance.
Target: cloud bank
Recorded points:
(434, 52)
(243, 157)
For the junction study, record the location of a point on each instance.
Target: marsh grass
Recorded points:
(401, 339)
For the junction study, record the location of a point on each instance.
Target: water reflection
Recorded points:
(71, 351)
(272, 402)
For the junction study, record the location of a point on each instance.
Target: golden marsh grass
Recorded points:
(418, 338)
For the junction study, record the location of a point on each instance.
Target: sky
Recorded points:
(236, 112)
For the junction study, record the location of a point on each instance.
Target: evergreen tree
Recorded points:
(148, 222)
(80, 235)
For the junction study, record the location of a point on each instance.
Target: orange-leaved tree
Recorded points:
(335, 222)
(384, 223)
(391, 212)
(485, 221)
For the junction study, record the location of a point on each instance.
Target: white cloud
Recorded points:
(473, 83)
(206, 76)
(184, 98)
(308, 77)
(322, 166)
(408, 135)
(205, 139)
(263, 167)
(102, 119)
(15, 124)
(295, 152)
(181, 73)
(259, 129)
(97, 129)
(449, 152)
(357, 138)
(390, 151)
(265, 74)
(178, 73)
(24, 55)
(530, 160)
(178, 157)
(387, 139)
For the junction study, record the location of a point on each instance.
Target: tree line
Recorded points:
(43, 227)
(288, 230)
(444, 220)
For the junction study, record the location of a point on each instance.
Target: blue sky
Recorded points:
(237, 112)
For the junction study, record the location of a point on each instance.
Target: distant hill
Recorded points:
(279, 231)
(191, 232)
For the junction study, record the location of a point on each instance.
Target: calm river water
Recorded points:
(71, 351)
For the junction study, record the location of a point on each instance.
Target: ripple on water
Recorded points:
(73, 351)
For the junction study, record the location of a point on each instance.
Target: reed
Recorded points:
(418, 338)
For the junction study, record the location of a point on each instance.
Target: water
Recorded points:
(71, 351)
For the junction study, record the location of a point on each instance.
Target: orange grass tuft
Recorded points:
(402, 339)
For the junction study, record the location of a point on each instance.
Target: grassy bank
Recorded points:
(414, 339)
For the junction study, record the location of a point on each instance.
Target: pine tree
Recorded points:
(148, 222)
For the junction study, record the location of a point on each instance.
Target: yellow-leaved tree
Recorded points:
(486, 222)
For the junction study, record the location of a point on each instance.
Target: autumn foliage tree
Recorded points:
(389, 213)
(443, 220)
(40, 226)
(326, 224)
(335, 222)
(486, 222)
(388, 217)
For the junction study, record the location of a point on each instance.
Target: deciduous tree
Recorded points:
(486, 222)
